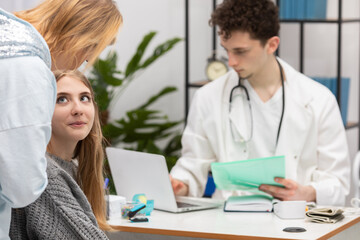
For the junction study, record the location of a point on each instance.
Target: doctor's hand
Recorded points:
(291, 190)
(179, 187)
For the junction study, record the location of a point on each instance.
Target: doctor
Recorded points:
(261, 108)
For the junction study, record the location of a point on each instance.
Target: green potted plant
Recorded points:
(141, 128)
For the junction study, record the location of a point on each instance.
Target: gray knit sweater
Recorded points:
(61, 212)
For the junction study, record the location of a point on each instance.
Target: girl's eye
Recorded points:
(85, 99)
(61, 100)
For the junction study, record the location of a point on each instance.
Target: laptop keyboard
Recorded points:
(182, 205)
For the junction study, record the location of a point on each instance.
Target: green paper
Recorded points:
(248, 174)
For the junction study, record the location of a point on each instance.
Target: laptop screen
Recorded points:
(137, 172)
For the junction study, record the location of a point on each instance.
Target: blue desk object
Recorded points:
(210, 186)
(136, 209)
(141, 198)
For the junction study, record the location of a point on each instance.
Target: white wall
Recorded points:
(167, 17)
(17, 5)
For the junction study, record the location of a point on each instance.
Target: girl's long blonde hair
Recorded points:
(90, 154)
(73, 26)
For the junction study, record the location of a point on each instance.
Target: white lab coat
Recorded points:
(312, 137)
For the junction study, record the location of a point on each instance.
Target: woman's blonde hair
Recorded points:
(73, 26)
(90, 154)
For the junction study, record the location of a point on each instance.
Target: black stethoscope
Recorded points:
(248, 99)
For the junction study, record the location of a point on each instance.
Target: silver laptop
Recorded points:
(137, 172)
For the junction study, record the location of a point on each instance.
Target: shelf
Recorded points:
(350, 125)
(319, 20)
(198, 84)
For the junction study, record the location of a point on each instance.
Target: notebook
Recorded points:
(137, 172)
(249, 203)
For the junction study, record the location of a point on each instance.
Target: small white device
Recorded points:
(290, 209)
(114, 205)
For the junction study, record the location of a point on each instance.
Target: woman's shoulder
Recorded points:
(63, 188)
(52, 168)
(62, 210)
(39, 219)
(57, 213)
(57, 167)
(61, 184)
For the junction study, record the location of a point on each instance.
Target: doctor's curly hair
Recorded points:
(257, 17)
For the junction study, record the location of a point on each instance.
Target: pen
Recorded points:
(106, 183)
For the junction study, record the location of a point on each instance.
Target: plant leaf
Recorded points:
(105, 70)
(133, 65)
(111, 131)
(155, 97)
(160, 50)
(142, 127)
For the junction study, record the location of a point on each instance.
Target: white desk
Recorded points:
(216, 224)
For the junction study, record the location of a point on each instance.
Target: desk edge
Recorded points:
(190, 234)
(340, 229)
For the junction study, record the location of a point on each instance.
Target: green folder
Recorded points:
(249, 174)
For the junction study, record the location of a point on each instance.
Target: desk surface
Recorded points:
(216, 224)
